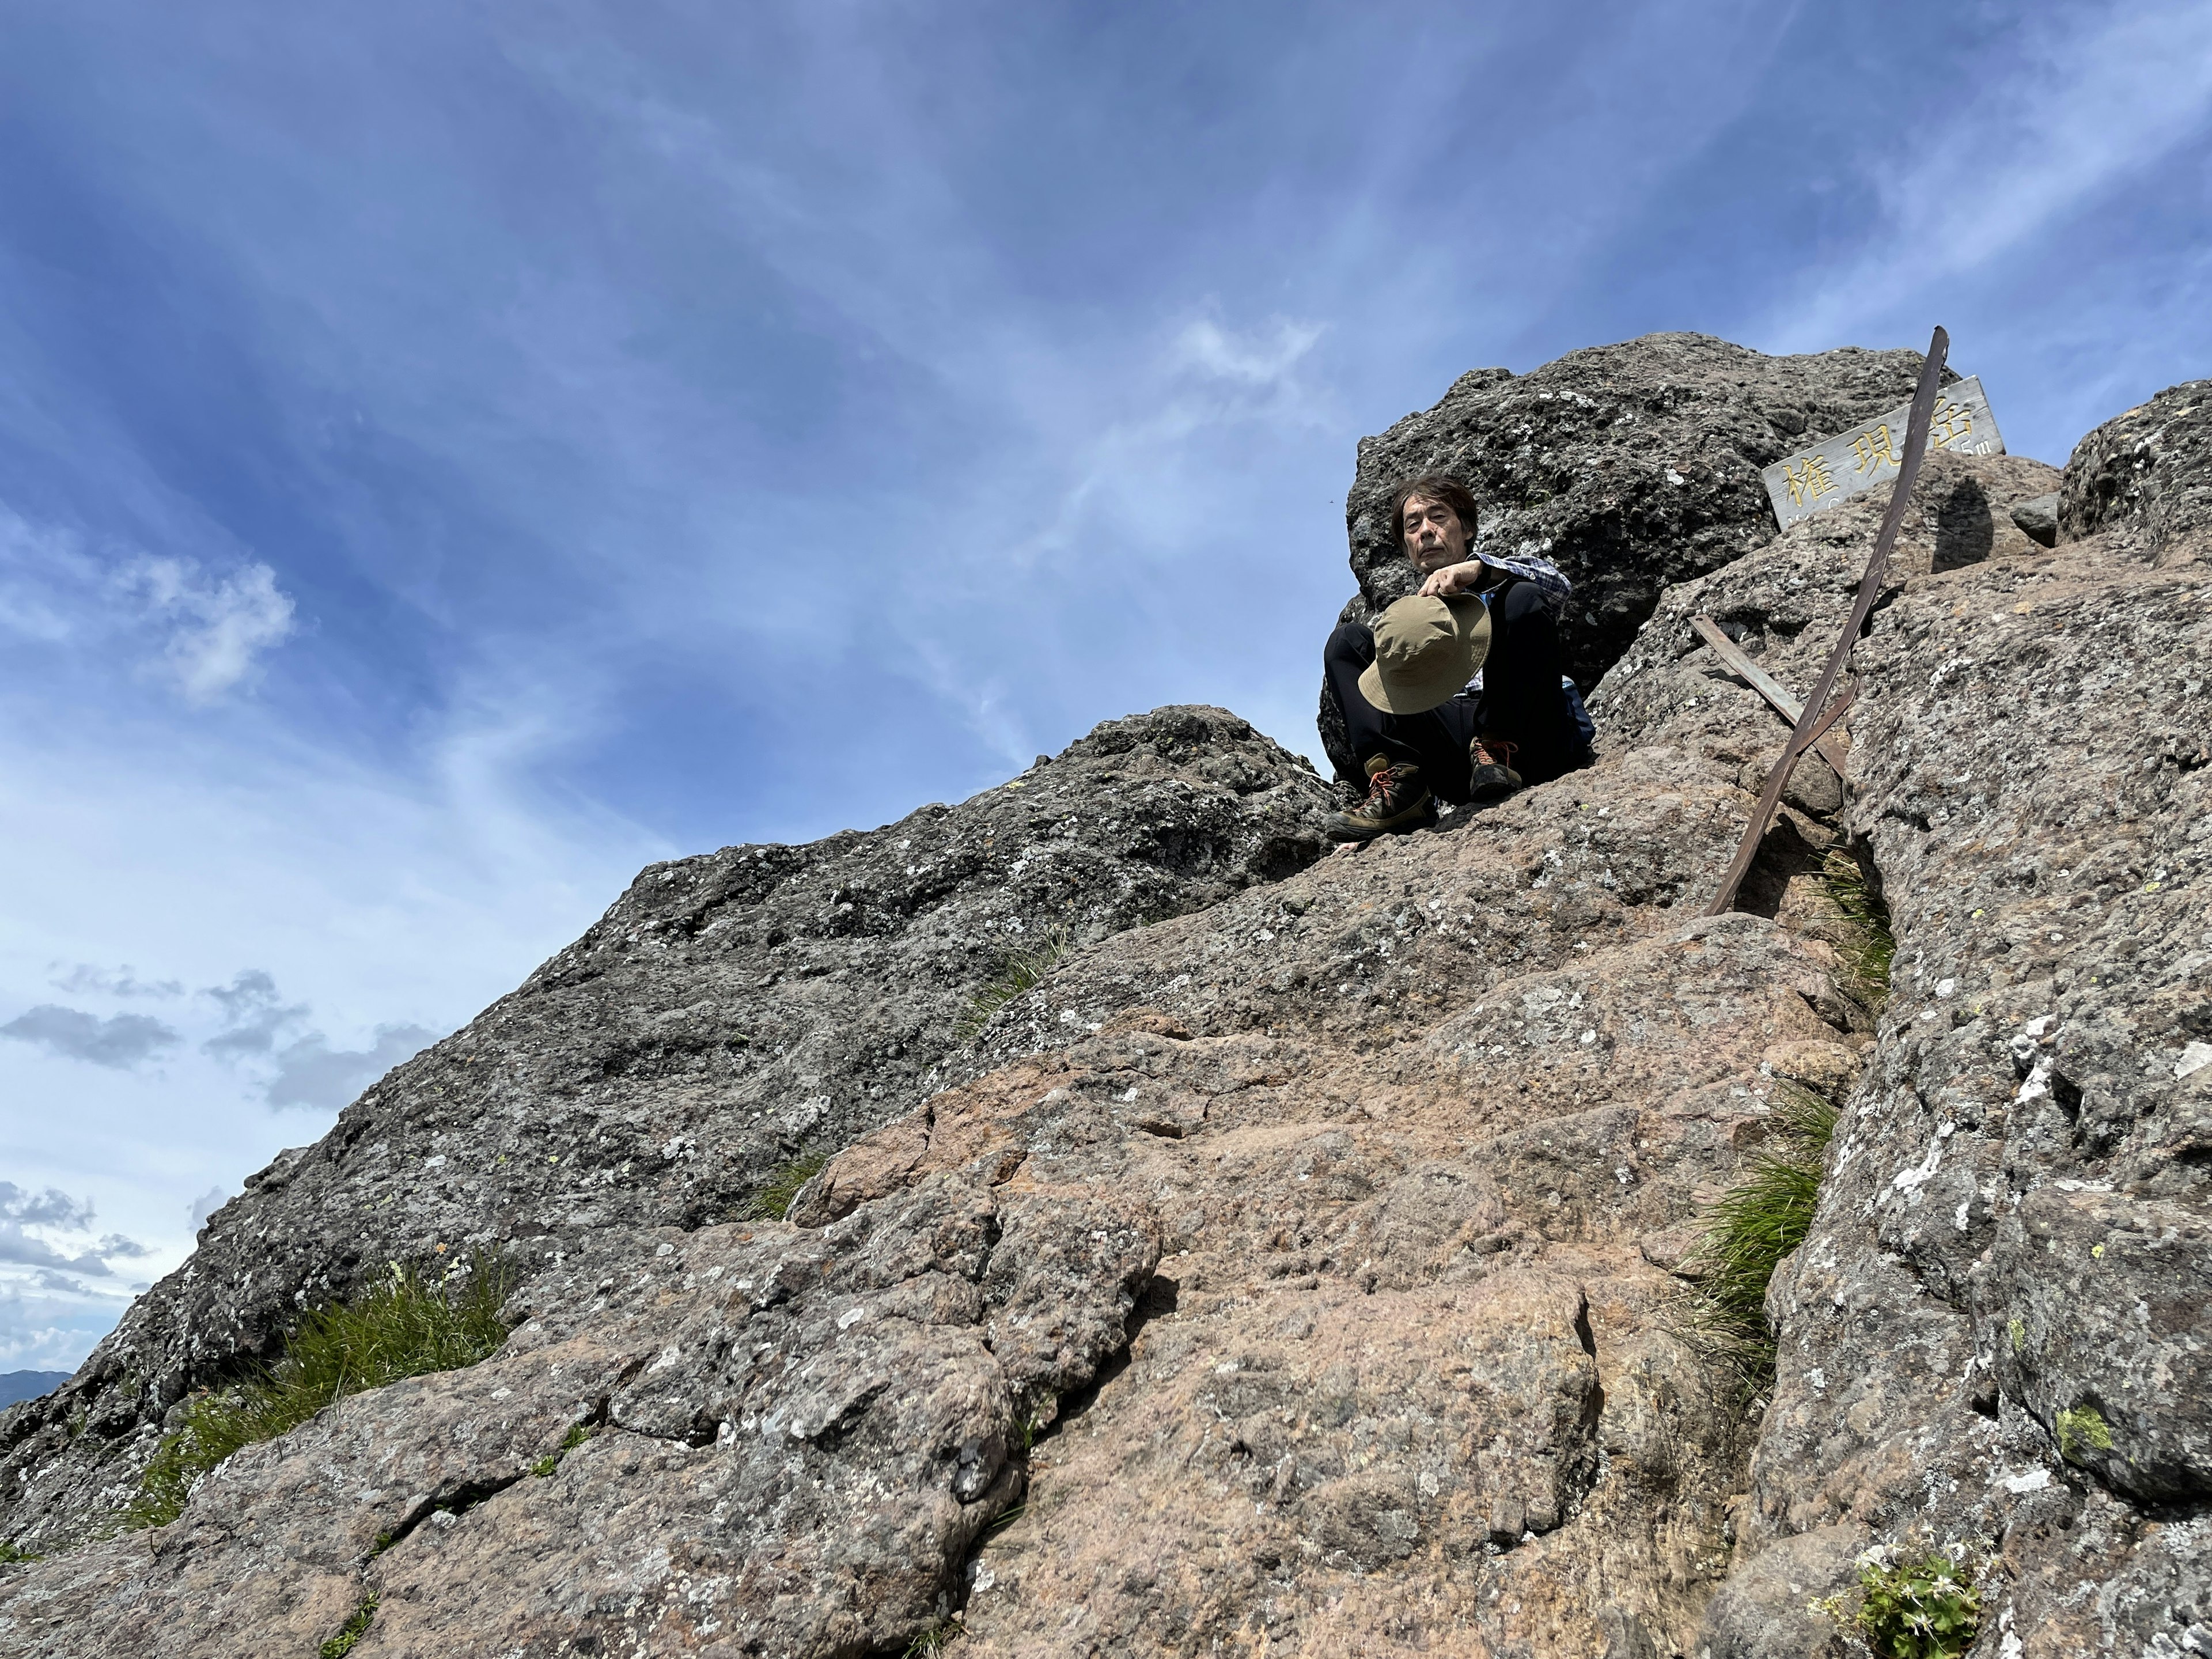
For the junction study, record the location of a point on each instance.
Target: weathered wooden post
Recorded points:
(1814, 718)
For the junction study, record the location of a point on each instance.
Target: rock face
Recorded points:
(729, 1011)
(877, 1377)
(1630, 466)
(1998, 1328)
(1310, 1272)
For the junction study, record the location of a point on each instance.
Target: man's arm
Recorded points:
(1478, 574)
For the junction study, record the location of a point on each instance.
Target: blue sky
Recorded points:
(450, 456)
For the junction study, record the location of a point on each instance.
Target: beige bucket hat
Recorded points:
(1425, 652)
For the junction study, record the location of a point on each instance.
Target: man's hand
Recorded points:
(1453, 579)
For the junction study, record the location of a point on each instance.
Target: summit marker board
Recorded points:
(1836, 468)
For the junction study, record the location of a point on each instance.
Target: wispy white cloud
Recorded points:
(199, 631)
(2092, 95)
(1261, 357)
(83, 977)
(215, 625)
(254, 1015)
(45, 1237)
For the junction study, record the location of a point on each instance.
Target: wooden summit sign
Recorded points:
(1836, 468)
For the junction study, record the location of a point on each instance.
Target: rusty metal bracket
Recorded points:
(1816, 706)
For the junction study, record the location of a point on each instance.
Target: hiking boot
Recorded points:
(1490, 768)
(1397, 800)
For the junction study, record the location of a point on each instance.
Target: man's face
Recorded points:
(1434, 536)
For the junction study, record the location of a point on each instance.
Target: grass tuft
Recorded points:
(773, 1200)
(931, 1637)
(407, 1324)
(351, 1631)
(1762, 1219)
(1018, 974)
(1868, 947)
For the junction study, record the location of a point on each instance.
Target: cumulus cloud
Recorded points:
(29, 1220)
(216, 624)
(50, 1328)
(121, 1040)
(83, 977)
(311, 1074)
(254, 1015)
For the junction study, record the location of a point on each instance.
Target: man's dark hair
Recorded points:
(1435, 487)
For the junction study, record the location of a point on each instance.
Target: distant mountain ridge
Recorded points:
(18, 1386)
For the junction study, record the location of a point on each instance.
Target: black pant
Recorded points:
(1521, 703)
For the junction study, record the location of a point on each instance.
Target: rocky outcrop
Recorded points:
(1310, 1272)
(1631, 466)
(790, 1437)
(1996, 1333)
(728, 1012)
(1997, 1329)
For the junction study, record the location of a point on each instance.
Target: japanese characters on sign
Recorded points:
(1836, 468)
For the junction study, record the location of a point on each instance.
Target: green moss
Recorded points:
(351, 1631)
(406, 1324)
(10, 1553)
(1016, 973)
(774, 1199)
(2083, 1426)
(2018, 1328)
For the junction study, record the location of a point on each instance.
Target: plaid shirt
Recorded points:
(1550, 581)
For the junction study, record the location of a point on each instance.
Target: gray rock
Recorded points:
(1631, 466)
(1761, 1613)
(2037, 519)
(2145, 475)
(729, 1011)
(2102, 1298)
(794, 1435)
(1996, 1327)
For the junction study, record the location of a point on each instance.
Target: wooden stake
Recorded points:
(1766, 685)
(1916, 446)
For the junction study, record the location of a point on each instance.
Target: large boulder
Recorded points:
(1630, 466)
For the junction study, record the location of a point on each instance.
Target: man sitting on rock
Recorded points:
(1455, 692)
